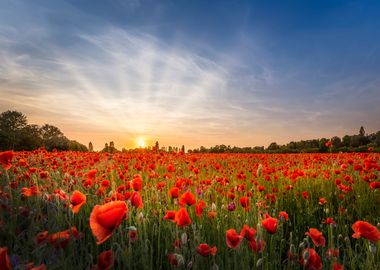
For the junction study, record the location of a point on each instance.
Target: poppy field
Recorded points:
(75, 210)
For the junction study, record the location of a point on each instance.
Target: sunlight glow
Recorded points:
(140, 142)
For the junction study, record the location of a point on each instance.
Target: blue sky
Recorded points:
(192, 72)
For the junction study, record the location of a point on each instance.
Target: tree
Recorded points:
(355, 141)
(183, 148)
(336, 141)
(111, 147)
(31, 138)
(106, 148)
(157, 146)
(322, 145)
(273, 146)
(346, 141)
(377, 139)
(49, 132)
(11, 125)
(53, 138)
(361, 131)
(90, 147)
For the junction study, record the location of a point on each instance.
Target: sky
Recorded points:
(244, 73)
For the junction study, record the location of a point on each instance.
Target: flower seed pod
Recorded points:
(184, 238)
(213, 207)
(214, 267)
(259, 263)
(305, 256)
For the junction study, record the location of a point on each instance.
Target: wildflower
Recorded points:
(136, 200)
(233, 239)
(104, 219)
(173, 192)
(170, 215)
(187, 198)
(77, 200)
(248, 233)
(317, 237)
(365, 230)
(257, 246)
(41, 237)
(199, 208)
(205, 250)
(6, 159)
(5, 263)
(311, 260)
(283, 216)
(182, 218)
(105, 260)
(270, 224)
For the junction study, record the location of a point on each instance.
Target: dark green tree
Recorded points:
(111, 147)
(11, 125)
(273, 146)
(361, 131)
(31, 138)
(53, 138)
(346, 140)
(90, 147)
(157, 146)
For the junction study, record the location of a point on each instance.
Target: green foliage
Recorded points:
(354, 143)
(16, 134)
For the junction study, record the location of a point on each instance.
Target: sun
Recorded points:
(140, 142)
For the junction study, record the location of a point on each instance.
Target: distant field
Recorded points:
(71, 210)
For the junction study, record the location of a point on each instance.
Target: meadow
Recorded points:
(88, 210)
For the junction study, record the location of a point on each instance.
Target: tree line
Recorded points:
(16, 134)
(361, 142)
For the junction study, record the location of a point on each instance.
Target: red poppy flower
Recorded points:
(283, 216)
(187, 198)
(40, 267)
(60, 239)
(199, 208)
(170, 215)
(257, 246)
(244, 201)
(132, 235)
(105, 260)
(77, 200)
(173, 192)
(6, 159)
(137, 182)
(317, 237)
(91, 174)
(329, 221)
(338, 266)
(175, 259)
(41, 237)
(5, 263)
(211, 214)
(365, 230)
(205, 250)
(270, 224)
(182, 218)
(104, 219)
(313, 261)
(322, 201)
(374, 185)
(233, 239)
(136, 200)
(248, 233)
